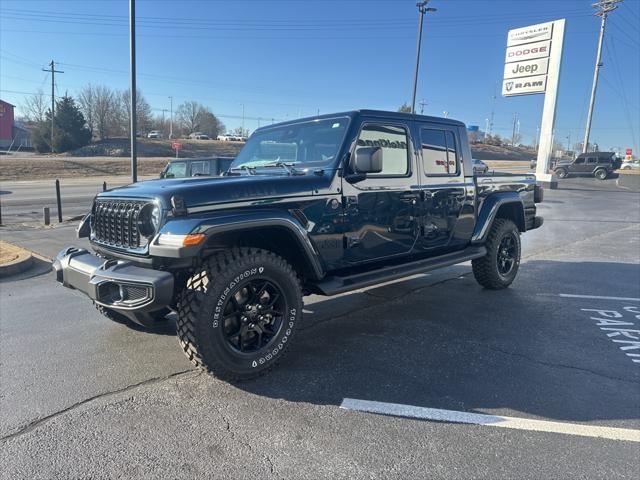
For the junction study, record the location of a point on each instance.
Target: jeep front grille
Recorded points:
(115, 223)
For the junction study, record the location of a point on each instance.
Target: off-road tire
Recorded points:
(562, 173)
(601, 174)
(201, 326)
(486, 269)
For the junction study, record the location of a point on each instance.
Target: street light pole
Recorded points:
(242, 119)
(422, 9)
(170, 117)
(132, 51)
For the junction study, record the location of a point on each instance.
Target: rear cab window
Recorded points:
(439, 152)
(200, 168)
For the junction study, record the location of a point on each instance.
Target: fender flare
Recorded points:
(489, 210)
(223, 222)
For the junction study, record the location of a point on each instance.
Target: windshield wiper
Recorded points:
(244, 168)
(289, 167)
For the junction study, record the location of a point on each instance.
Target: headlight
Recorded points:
(149, 220)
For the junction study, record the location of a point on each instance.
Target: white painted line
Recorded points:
(599, 297)
(440, 415)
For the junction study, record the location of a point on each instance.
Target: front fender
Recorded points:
(489, 210)
(233, 222)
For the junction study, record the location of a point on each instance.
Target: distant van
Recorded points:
(196, 167)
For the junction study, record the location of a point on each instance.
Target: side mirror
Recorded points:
(162, 174)
(367, 160)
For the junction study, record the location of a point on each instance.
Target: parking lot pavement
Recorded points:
(83, 397)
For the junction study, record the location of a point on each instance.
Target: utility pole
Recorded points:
(569, 142)
(486, 129)
(243, 118)
(537, 136)
(53, 71)
(134, 128)
(423, 103)
(170, 117)
(493, 109)
(605, 7)
(513, 132)
(422, 9)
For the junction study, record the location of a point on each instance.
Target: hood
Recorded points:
(199, 191)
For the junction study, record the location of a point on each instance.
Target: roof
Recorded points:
(2, 101)
(372, 113)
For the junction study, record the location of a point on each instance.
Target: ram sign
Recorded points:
(527, 60)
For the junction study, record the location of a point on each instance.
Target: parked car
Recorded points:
(154, 134)
(199, 136)
(479, 167)
(196, 167)
(230, 137)
(630, 165)
(597, 164)
(322, 205)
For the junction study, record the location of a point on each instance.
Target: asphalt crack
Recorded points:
(46, 419)
(235, 438)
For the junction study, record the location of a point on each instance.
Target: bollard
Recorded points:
(59, 201)
(104, 186)
(45, 213)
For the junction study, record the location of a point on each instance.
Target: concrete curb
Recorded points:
(19, 265)
(629, 180)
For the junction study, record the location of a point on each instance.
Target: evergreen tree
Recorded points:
(70, 131)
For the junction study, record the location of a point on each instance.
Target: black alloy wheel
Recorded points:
(253, 315)
(507, 254)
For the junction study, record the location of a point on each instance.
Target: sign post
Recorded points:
(532, 65)
(176, 146)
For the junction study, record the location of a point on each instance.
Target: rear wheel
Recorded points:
(499, 267)
(600, 174)
(562, 173)
(238, 313)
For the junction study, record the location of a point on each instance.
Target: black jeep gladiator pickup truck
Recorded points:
(321, 205)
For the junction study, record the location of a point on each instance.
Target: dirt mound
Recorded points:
(119, 147)
(493, 152)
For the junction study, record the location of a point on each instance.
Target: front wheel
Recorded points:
(562, 173)
(499, 267)
(238, 313)
(601, 174)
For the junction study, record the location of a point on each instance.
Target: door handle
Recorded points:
(409, 197)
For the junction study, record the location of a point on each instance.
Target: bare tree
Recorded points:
(189, 116)
(105, 111)
(87, 104)
(143, 112)
(209, 123)
(35, 107)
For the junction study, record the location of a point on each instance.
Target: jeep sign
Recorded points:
(527, 68)
(524, 86)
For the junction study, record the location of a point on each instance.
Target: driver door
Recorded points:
(380, 210)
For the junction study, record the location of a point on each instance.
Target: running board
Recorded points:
(334, 285)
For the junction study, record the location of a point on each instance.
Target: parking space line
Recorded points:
(599, 297)
(439, 415)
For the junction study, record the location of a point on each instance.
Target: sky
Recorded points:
(283, 59)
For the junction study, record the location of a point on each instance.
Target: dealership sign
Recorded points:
(528, 54)
(532, 65)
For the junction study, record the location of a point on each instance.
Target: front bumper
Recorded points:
(133, 291)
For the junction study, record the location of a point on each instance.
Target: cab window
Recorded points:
(199, 168)
(394, 143)
(176, 170)
(439, 152)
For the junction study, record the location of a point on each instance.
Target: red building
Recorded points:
(6, 123)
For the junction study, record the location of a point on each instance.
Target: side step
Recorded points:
(334, 285)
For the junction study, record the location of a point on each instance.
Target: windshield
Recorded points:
(312, 144)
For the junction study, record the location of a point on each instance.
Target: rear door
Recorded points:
(380, 211)
(443, 187)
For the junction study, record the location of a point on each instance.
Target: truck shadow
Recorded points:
(456, 346)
